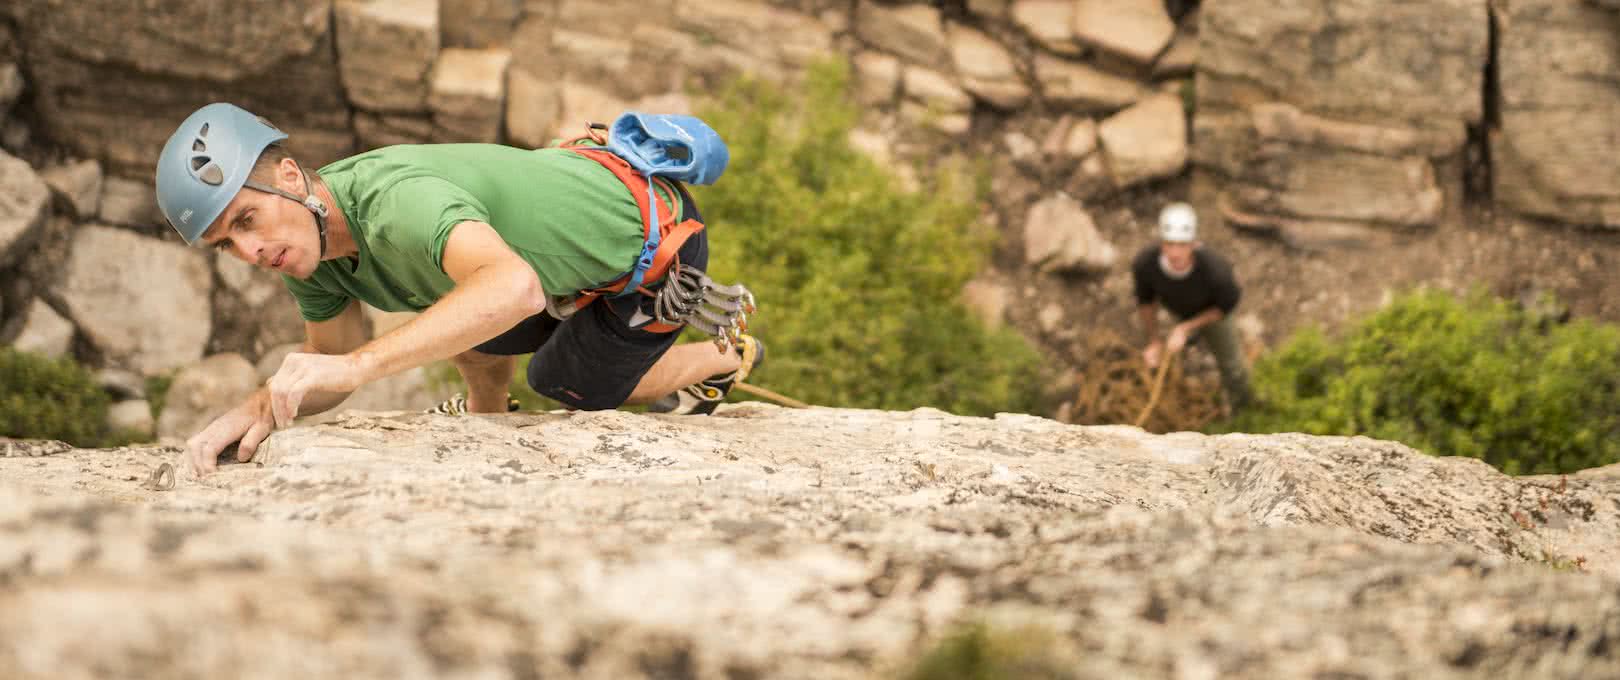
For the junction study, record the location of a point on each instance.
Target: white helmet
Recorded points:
(1178, 223)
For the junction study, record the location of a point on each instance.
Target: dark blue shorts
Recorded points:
(594, 360)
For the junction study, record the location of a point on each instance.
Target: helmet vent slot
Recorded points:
(204, 131)
(212, 175)
(199, 145)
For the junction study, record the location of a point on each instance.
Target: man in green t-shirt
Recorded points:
(476, 237)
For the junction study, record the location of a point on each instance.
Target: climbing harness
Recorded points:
(646, 152)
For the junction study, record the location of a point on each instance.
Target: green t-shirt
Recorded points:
(566, 215)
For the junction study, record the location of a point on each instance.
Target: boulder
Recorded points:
(1146, 141)
(120, 384)
(1060, 236)
(765, 33)
(25, 204)
(877, 78)
(935, 90)
(1050, 22)
(143, 303)
(253, 286)
(533, 108)
(1135, 29)
(44, 331)
(11, 86)
(478, 24)
(468, 95)
(987, 69)
(1082, 86)
(1554, 156)
(1181, 58)
(373, 130)
(129, 203)
(585, 103)
(111, 80)
(77, 185)
(133, 417)
(204, 390)
(1081, 139)
(915, 32)
(386, 49)
(588, 56)
(996, 9)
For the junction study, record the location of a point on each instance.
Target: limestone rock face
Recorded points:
(788, 544)
(468, 95)
(915, 32)
(1555, 154)
(386, 49)
(111, 80)
(25, 201)
(478, 24)
(1385, 94)
(142, 302)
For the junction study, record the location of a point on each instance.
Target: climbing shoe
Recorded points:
(457, 406)
(704, 397)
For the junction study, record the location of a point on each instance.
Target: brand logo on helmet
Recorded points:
(185, 217)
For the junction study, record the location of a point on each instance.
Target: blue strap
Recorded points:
(645, 261)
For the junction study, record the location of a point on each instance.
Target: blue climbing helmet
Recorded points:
(207, 161)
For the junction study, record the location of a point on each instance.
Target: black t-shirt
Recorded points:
(1210, 284)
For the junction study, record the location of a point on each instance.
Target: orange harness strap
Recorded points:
(671, 235)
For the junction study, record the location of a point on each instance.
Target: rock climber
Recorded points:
(1198, 287)
(498, 248)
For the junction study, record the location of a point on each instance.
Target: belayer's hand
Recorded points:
(1178, 339)
(1151, 355)
(302, 373)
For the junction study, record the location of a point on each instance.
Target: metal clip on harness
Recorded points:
(689, 297)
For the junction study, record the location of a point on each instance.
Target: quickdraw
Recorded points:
(690, 298)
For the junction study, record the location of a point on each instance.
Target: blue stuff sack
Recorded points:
(681, 148)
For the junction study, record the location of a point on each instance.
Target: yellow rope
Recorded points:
(778, 398)
(1158, 389)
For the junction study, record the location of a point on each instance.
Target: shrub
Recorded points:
(978, 651)
(44, 398)
(1473, 377)
(858, 280)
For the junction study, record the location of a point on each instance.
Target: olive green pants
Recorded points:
(1221, 339)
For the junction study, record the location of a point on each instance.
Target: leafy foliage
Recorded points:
(1473, 377)
(44, 398)
(977, 651)
(858, 279)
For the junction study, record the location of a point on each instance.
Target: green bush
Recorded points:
(977, 651)
(858, 280)
(44, 398)
(1473, 377)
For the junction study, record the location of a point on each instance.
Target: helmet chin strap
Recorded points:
(310, 202)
